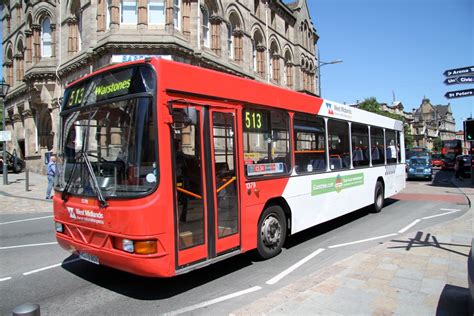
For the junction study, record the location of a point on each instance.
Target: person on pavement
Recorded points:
(51, 173)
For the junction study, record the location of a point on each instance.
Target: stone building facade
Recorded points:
(432, 121)
(48, 44)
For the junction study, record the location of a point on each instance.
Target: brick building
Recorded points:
(47, 44)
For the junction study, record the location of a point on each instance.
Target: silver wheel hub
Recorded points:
(271, 231)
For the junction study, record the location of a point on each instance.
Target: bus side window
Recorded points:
(310, 143)
(360, 145)
(390, 146)
(378, 152)
(339, 156)
(266, 142)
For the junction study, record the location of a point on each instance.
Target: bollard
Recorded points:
(27, 309)
(27, 180)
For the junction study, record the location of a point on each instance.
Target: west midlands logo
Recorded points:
(329, 107)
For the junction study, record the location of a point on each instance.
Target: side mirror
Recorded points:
(191, 115)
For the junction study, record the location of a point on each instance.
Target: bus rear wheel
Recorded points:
(378, 197)
(271, 232)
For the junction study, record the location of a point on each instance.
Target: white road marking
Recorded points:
(280, 276)
(442, 214)
(404, 229)
(26, 220)
(29, 245)
(450, 209)
(361, 241)
(214, 301)
(5, 279)
(50, 267)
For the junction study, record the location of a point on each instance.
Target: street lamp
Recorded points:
(323, 63)
(3, 93)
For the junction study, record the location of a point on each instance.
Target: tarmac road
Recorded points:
(33, 268)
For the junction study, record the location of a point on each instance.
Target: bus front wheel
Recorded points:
(271, 232)
(378, 197)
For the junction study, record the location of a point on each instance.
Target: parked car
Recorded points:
(14, 164)
(437, 160)
(419, 167)
(466, 163)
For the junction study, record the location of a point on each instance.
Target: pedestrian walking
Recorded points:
(51, 173)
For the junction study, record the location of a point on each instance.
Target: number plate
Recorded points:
(88, 257)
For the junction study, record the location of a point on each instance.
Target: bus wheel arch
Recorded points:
(379, 195)
(272, 228)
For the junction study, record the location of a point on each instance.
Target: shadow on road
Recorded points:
(326, 227)
(144, 288)
(428, 240)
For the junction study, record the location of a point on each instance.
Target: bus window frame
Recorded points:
(317, 171)
(154, 112)
(289, 170)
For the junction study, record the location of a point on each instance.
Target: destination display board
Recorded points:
(109, 85)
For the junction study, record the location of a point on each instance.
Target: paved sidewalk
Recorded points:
(422, 273)
(15, 199)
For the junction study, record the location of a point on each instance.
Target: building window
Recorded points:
(108, 17)
(46, 40)
(205, 26)
(156, 12)
(9, 67)
(177, 14)
(254, 55)
(230, 42)
(128, 12)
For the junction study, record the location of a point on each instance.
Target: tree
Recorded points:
(371, 105)
(437, 144)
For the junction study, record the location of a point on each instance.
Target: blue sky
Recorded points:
(395, 46)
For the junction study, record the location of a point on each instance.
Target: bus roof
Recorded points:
(187, 79)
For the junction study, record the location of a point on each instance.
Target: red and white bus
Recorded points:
(168, 167)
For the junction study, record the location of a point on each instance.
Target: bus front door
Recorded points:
(207, 205)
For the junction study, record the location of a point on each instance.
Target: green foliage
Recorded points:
(371, 105)
(437, 144)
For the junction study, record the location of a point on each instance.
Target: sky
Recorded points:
(399, 47)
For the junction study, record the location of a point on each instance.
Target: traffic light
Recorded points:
(469, 130)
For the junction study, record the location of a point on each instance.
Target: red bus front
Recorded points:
(109, 205)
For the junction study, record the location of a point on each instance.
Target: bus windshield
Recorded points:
(109, 149)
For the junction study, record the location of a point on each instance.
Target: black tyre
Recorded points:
(271, 232)
(378, 197)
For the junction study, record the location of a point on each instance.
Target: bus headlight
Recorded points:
(59, 227)
(127, 245)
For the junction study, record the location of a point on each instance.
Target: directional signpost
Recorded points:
(459, 93)
(459, 80)
(463, 75)
(459, 71)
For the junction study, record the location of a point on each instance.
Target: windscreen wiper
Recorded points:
(95, 184)
(69, 180)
